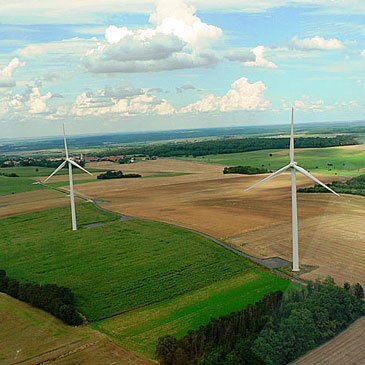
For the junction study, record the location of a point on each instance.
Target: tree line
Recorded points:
(307, 319)
(354, 186)
(59, 301)
(231, 145)
(112, 174)
(274, 331)
(246, 170)
(197, 345)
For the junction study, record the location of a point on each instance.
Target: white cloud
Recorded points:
(122, 101)
(32, 101)
(73, 47)
(306, 104)
(6, 73)
(260, 60)
(317, 43)
(89, 11)
(241, 96)
(362, 54)
(176, 41)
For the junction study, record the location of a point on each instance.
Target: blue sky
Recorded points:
(118, 66)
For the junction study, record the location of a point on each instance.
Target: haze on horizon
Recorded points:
(122, 66)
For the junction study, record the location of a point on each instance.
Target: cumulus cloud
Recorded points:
(6, 73)
(260, 60)
(32, 101)
(241, 96)
(178, 40)
(317, 43)
(121, 100)
(362, 54)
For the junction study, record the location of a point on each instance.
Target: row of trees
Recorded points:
(230, 145)
(246, 170)
(111, 174)
(354, 186)
(308, 318)
(53, 299)
(222, 333)
(274, 331)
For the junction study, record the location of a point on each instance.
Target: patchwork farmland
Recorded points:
(173, 280)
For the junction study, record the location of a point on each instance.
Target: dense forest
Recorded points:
(307, 319)
(274, 331)
(231, 145)
(354, 186)
(53, 299)
(245, 170)
(111, 174)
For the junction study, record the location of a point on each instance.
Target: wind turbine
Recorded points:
(293, 168)
(70, 162)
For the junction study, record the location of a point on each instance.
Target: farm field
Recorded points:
(140, 329)
(31, 336)
(344, 161)
(333, 241)
(155, 261)
(246, 219)
(347, 348)
(27, 176)
(188, 200)
(31, 201)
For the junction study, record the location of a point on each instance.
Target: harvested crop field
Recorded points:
(333, 238)
(331, 229)
(206, 200)
(30, 336)
(347, 348)
(31, 201)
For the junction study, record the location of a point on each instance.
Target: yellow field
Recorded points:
(347, 348)
(30, 336)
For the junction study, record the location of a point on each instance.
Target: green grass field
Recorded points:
(13, 185)
(115, 267)
(346, 162)
(23, 183)
(140, 329)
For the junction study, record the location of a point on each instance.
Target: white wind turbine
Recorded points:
(70, 162)
(293, 167)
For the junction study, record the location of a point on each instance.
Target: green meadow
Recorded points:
(27, 174)
(140, 329)
(114, 267)
(333, 160)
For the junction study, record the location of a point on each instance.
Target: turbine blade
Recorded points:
(272, 176)
(291, 146)
(310, 176)
(55, 171)
(64, 140)
(78, 166)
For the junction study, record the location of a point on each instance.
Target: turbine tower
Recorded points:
(293, 168)
(70, 162)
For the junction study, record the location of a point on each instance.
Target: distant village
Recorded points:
(80, 159)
